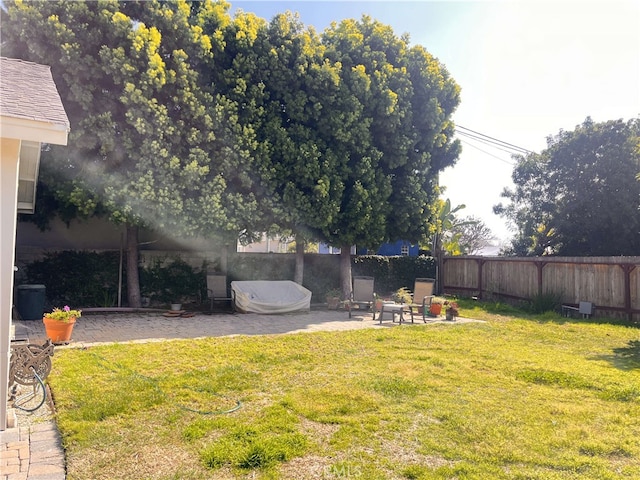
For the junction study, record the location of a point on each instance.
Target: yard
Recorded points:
(515, 397)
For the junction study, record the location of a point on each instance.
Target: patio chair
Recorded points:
(217, 289)
(362, 295)
(422, 296)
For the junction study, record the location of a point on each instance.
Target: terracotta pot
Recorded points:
(57, 331)
(435, 309)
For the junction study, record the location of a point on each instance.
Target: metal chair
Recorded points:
(217, 289)
(422, 296)
(362, 294)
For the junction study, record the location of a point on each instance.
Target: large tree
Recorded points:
(390, 128)
(276, 71)
(149, 138)
(579, 196)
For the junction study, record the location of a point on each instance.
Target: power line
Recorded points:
(490, 154)
(490, 140)
(490, 144)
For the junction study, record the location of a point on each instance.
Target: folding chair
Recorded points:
(362, 294)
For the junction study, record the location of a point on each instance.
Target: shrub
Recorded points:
(545, 302)
(176, 281)
(87, 279)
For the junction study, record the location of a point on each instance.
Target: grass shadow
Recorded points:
(625, 358)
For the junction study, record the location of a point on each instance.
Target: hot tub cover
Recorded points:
(270, 296)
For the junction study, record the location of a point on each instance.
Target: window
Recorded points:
(404, 250)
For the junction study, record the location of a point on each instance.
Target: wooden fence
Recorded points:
(612, 284)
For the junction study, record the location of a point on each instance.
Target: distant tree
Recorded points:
(351, 131)
(579, 196)
(468, 236)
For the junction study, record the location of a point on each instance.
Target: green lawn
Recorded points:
(512, 398)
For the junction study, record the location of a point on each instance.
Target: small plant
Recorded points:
(545, 302)
(334, 293)
(402, 295)
(452, 306)
(64, 314)
(333, 296)
(452, 309)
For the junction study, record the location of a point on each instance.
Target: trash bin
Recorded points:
(30, 301)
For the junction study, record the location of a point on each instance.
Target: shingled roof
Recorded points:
(27, 91)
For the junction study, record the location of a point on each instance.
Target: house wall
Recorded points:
(327, 249)
(9, 162)
(391, 249)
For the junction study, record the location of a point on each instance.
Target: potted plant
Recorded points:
(58, 324)
(452, 310)
(333, 299)
(435, 309)
(379, 301)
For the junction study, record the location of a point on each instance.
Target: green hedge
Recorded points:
(79, 279)
(173, 280)
(322, 272)
(90, 279)
(392, 273)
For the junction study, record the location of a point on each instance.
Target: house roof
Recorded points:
(27, 91)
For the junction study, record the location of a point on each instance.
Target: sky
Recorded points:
(527, 69)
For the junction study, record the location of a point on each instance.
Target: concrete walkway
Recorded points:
(35, 452)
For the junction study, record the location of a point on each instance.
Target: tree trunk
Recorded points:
(438, 257)
(133, 277)
(345, 270)
(299, 273)
(224, 253)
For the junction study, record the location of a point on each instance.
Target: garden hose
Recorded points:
(37, 384)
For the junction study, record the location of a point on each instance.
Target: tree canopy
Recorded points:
(188, 120)
(392, 133)
(148, 137)
(150, 141)
(580, 196)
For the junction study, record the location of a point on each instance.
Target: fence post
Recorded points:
(627, 268)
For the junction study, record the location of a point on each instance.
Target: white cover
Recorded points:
(270, 296)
